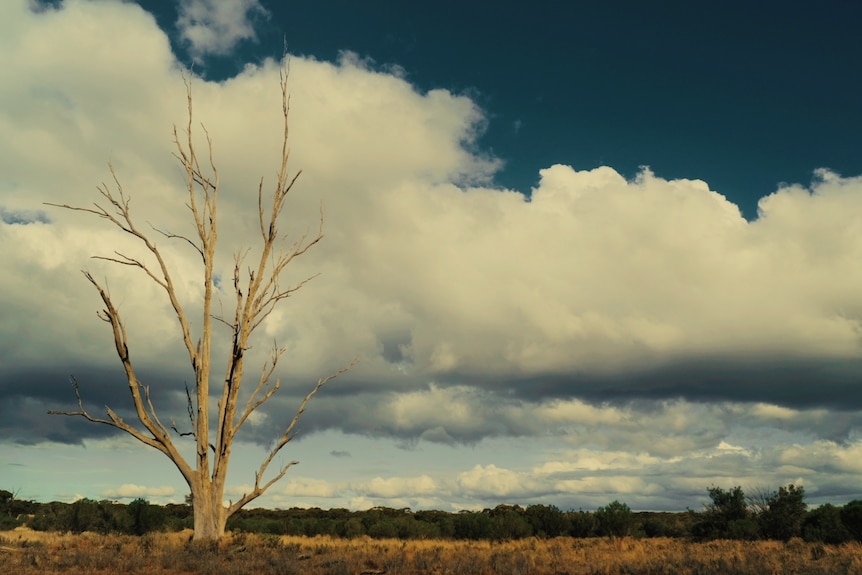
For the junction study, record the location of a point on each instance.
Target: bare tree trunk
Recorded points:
(210, 514)
(256, 294)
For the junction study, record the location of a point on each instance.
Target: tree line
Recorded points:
(730, 514)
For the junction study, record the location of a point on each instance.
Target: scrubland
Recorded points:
(26, 552)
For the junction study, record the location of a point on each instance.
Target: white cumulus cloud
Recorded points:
(493, 481)
(307, 487)
(394, 487)
(217, 26)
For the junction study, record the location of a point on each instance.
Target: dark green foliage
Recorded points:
(824, 525)
(581, 524)
(144, 518)
(258, 525)
(443, 523)
(509, 524)
(730, 504)
(351, 528)
(13, 511)
(664, 524)
(502, 523)
(103, 517)
(851, 517)
(383, 529)
(547, 520)
(745, 529)
(49, 517)
(411, 528)
(178, 517)
(472, 525)
(782, 519)
(89, 515)
(80, 516)
(727, 517)
(615, 520)
(782, 515)
(309, 522)
(8, 520)
(502, 509)
(178, 511)
(382, 522)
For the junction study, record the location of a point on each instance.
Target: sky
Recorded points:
(584, 251)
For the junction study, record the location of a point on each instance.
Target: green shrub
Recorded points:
(472, 525)
(615, 520)
(581, 524)
(663, 525)
(509, 525)
(8, 523)
(782, 519)
(851, 517)
(547, 520)
(144, 517)
(824, 525)
(383, 529)
(727, 517)
(88, 515)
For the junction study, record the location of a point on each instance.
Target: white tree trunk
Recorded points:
(210, 514)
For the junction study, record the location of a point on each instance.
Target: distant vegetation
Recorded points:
(780, 515)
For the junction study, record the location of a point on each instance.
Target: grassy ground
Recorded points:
(25, 552)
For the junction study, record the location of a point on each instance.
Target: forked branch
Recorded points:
(282, 441)
(120, 216)
(114, 421)
(254, 401)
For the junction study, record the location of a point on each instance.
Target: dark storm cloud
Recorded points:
(355, 405)
(30, 394)
(357, 402)
(795, 383)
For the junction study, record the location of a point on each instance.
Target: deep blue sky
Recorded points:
(744, 95)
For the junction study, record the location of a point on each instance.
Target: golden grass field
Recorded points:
(26, 552)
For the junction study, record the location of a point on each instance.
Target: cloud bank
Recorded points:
(593, 308)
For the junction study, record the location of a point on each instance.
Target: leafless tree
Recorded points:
(758, 499)
(257, 292)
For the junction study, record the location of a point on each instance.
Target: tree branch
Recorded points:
(282, 441)
(122, 219)
(265, 375)
(172, 236)
(114, 421)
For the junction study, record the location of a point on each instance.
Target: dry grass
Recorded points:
(25, 552)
